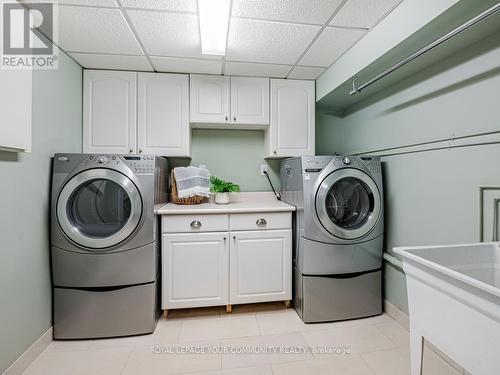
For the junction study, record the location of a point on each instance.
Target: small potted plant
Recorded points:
(222, 189)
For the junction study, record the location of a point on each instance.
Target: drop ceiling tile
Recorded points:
(268, 42)
(101, 3)
(171, 5)
(116, 62)
(96, 30)
(97, 3)
(168, 34)
(256, 70)
(306, 72)
(301, 11)
(177, 65)
(363, 13)
(331, 44)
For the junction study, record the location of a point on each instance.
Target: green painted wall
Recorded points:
(25, 293)
(235, 155)
(431, 195)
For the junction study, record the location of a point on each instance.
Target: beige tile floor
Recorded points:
(377, 346)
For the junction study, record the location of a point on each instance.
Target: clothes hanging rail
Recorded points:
(488, 12)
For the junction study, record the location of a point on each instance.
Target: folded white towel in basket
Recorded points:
(192, 181)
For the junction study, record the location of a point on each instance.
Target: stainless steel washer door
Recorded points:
(99, 208)
(348, 203)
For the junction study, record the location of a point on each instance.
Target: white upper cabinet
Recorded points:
(292, 126)
(163, 114)
(249, 100)
(15, 107)
(109, 112)
(210, 99)
(128, 112)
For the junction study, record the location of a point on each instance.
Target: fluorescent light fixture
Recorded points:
(214, 22)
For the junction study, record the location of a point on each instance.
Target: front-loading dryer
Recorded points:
(339, 229)
(104, 243)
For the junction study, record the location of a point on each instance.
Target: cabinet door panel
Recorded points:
(15, 107)
(249, 100)
(209, 99)
(195, 270)
(109, 113)
(261, 266)
(163, 114)
(292, 118)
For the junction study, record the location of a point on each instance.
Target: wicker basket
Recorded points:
(197, 199)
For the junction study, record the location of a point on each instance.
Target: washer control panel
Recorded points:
(143, 164)
(372, 163)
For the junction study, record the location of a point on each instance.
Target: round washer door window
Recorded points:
(99, 208)
(348, 203)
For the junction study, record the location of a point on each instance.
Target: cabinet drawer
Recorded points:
(194, 223)
(253, 221)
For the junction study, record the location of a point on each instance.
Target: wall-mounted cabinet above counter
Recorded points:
(229, 100)
(128, 112)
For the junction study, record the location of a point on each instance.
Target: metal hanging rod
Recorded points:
(488, 12)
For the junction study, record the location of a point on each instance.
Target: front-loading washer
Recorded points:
(339, 227)
(104, 243)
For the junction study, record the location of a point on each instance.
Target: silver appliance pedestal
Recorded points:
(325, 299)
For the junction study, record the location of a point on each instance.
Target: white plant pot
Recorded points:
(222, 198)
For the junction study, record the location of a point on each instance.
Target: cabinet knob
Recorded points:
(274, 152)
(234, 118)
(261, 221)
(140, 151)
(195, 224)
(227, 118)
(130, 151)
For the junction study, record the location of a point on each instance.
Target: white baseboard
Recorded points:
(30, 354)
(396, 314)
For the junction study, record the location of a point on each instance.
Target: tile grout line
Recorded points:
(135, 33)
(126, 361)
(318, 34)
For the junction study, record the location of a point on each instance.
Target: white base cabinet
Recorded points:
(260, 266)
(195, 270)
(228, 259)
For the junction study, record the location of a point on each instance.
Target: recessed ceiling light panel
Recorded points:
(214, 22)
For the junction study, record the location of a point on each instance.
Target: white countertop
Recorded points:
(240, 203)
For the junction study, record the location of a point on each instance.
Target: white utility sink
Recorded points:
(454, 302)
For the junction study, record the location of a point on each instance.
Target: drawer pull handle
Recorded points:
(196, 224)
(261, 222)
